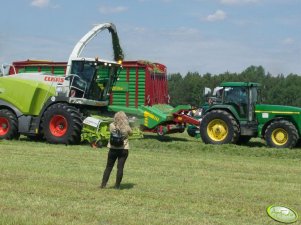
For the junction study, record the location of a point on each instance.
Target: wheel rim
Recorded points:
(279, 136)
(58, 125)
(4, 126)
(217, 130)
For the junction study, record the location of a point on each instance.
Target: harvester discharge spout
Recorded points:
(81, 44)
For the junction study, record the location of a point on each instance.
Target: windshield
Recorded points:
(98, 77)
(235, 95)
(85, 70)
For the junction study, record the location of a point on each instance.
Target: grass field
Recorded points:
(178, 180)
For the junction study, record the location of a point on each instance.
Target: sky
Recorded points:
(204, 36)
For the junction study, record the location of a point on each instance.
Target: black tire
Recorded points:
(62, 124)
(219, 127)
(191, 130)
(242, 140)
(8, 125)
(281, 134)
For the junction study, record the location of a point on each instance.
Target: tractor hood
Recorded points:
(277, 109)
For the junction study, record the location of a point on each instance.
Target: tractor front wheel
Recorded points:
(62, 124)
(219, 127)
(281, 134)
(8, 125)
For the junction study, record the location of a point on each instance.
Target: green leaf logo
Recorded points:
(282, 214)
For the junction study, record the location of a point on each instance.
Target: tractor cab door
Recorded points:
(253, 98)
(238, 97)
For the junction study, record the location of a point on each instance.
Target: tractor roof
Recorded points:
(239, 84)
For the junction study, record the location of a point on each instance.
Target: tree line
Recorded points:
(279, 90)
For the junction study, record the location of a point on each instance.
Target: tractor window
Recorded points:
(238, 98)
(235, 95)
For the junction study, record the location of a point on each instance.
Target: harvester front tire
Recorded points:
(219, 127)
(281, 134)
(62, 124)
(8, 125)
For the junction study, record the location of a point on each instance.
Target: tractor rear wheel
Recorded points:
(219, 127)
(281, 134)
(8, 125)
(62, 124)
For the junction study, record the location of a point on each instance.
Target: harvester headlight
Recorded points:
(59, 89)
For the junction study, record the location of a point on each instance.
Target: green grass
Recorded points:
(178, 180)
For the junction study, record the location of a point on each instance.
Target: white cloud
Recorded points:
(288, 41)
(235, 2)
(218, 15)
(40, 3)
(110, 9)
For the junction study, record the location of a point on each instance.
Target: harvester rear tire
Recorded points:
(219, 127)
(281, 134)
(8, 125)
(62, 124)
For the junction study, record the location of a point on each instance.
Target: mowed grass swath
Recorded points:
(174, 180)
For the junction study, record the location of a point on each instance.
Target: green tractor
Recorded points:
(233, 115)
(50, 107)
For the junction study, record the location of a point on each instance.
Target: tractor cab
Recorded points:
(239, 97)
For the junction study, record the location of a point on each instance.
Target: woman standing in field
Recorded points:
(117, 151)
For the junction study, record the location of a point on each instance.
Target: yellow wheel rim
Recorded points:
(279, 136)
(217, 130)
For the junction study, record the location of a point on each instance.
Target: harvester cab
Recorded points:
(90, 79)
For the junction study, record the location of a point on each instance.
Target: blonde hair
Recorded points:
(121, 122)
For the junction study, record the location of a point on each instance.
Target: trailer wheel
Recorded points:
(191, 130)
(219, 127)
(8, 125)
(281, 134)
(62, 124)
